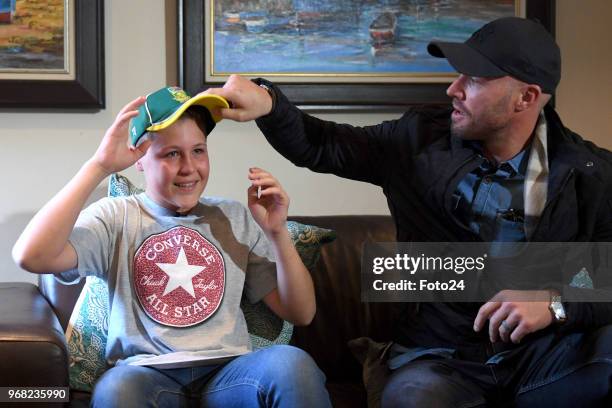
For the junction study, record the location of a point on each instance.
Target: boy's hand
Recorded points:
(114, 153)
(248, 100)
(269, 209)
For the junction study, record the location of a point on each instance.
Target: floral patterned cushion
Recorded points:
(86, 335)
(88, 327)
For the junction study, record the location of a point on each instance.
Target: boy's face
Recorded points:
(176, 166)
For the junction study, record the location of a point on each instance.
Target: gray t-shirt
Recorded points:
(175, 282)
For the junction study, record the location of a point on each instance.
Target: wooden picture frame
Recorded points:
(87, 90)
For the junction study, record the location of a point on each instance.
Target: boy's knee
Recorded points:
(113, 392)
(122, 386)
(294, 366)
(300, 382)
(290, 359)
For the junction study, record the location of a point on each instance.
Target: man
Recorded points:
(502, 167)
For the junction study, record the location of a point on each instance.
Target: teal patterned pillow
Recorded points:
(88, 327)
(86, 335)
(121, 186)
(265, 328)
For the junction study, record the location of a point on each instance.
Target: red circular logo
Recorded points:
(179, 277)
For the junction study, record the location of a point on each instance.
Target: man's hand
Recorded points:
(114, 153)
(512, 314)
(248, 100)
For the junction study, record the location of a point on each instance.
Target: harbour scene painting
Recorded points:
(341, 37)
(32, 35)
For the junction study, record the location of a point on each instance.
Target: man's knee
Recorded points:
(428, 384)
(407, 394)
(409, 387)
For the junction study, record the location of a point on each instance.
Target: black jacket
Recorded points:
(419, 165)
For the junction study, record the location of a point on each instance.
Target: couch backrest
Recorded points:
(340, 314)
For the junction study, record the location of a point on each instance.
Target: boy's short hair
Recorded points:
(202, 117)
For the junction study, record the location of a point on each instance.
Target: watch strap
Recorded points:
(269, 87)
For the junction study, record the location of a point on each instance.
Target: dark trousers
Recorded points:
(571, 370)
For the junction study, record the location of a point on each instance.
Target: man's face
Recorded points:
(482, 106)
(176, 166)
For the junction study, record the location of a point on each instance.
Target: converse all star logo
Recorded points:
(179, 277)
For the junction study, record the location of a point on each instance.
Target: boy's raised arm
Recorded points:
(294, 298)
(43, 246)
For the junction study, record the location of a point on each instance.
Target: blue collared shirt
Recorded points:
(489, 200)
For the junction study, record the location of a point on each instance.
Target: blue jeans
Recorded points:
(277, 376)
(565, 370)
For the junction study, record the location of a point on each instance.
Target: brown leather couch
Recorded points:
(33, 319)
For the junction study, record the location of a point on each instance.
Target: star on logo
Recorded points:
(180, 274)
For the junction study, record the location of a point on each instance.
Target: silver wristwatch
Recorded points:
(271, 93)
(557, 309)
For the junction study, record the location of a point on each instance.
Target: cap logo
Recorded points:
(178, 94)
(179, 277)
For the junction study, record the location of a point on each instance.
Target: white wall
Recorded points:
(584, 96)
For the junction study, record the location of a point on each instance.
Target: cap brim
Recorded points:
(465, 59)
(209, 101)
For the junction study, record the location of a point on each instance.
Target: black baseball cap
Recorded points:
(512, 46)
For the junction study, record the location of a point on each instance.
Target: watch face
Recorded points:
(558, 310)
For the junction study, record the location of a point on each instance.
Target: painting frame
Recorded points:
(87, 90)
(318, 96)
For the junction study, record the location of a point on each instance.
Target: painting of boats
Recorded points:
(340, 37)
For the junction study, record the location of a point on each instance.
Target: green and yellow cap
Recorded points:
(163, 107)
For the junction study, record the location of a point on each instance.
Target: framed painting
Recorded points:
(336, 54)
(52, 54)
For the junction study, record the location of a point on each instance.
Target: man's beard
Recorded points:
(485, 126)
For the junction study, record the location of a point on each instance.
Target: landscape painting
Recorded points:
(32, 35)
(340, 38)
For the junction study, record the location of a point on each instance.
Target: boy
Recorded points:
(176, 265)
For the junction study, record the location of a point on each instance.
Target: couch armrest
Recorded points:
(32, 345)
